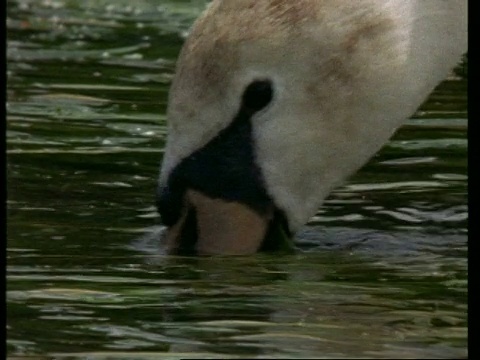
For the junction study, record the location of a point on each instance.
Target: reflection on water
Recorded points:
(346, 305)
(380, 271)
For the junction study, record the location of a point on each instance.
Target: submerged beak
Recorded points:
(212, 226)
(214, 200)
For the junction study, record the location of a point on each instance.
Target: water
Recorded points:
(381, 270)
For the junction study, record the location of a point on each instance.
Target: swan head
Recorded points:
(274, 103)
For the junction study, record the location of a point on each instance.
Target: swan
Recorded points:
(275, 102)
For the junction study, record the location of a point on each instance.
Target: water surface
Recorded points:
(380, 271)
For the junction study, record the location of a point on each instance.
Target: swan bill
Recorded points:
(213, 226)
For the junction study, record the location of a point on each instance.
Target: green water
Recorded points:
(381, 271)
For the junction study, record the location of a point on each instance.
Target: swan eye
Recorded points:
(257, 95)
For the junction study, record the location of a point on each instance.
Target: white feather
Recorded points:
(346, 74)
